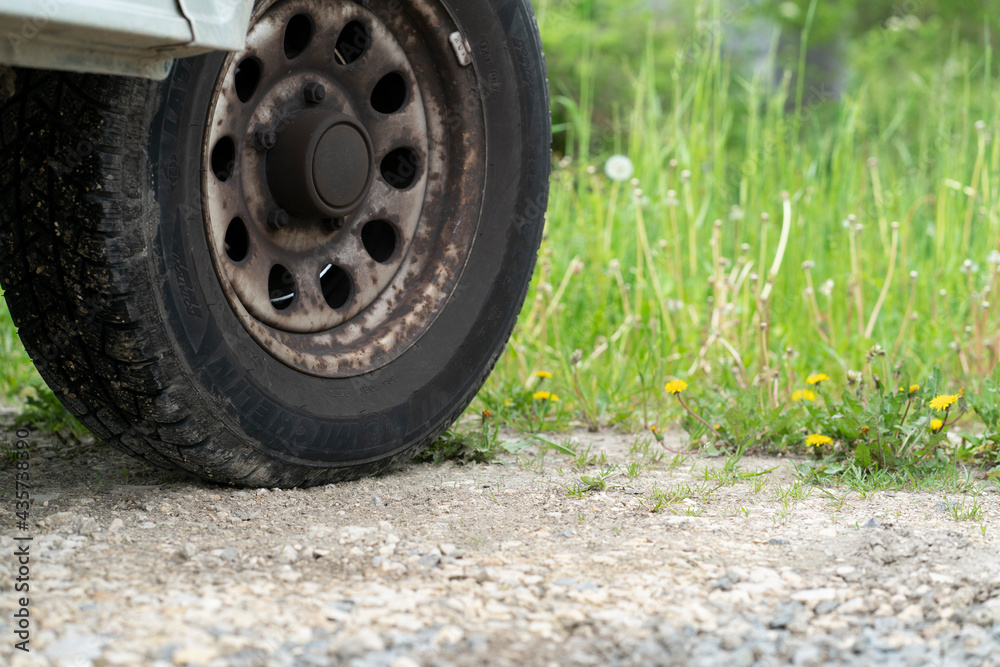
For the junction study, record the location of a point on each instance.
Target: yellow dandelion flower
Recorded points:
(936, 425)
(816, 439)
(541, 395)
(803, 395)
(676, 386)
(816, 378)
(944, 401)
(914, 388)
(543, 374)
(554, 398)
(509, 402)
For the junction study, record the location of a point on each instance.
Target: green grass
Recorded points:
(758, 245)
(17, 374)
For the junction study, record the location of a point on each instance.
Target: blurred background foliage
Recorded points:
(595, 49)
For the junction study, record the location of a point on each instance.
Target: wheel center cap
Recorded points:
(321, 165)
(340, 165)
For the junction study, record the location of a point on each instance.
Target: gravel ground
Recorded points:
(495, 564)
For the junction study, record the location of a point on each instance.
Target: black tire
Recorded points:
(109, 278)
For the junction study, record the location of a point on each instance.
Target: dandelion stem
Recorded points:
(695, 415)
(779, 254)
(893, 251)
(906, 411)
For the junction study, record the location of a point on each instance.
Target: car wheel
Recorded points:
(286, 266)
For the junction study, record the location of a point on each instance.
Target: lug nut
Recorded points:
(264, 139)
(277, 219)
(333, 224)
(314, 92)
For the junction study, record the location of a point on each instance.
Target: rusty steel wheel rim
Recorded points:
(342, 179)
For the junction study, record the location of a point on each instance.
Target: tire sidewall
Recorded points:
(338, 422)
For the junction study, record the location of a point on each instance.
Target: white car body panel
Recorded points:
(129, 37)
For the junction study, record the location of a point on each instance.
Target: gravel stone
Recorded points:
(486, 564)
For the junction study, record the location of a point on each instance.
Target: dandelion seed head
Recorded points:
(634, 182)
(662, 243)
(686, 175)
(993, 257)
(765, 217)
(614, 265)
(894, 224)
(808, 264)
(980, 125)
(736, 213)
(943, 293)
(851, 218)
(619, 168)
(913, 275)
(565, 161)
(673, 164)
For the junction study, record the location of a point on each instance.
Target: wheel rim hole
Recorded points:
(223, 158)
(399, 167)
(280, 287)
(298, 32)
(379, 239)
(352, 42)
(336, 286)
(246, 78)
(237, 240)
(389, 94)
